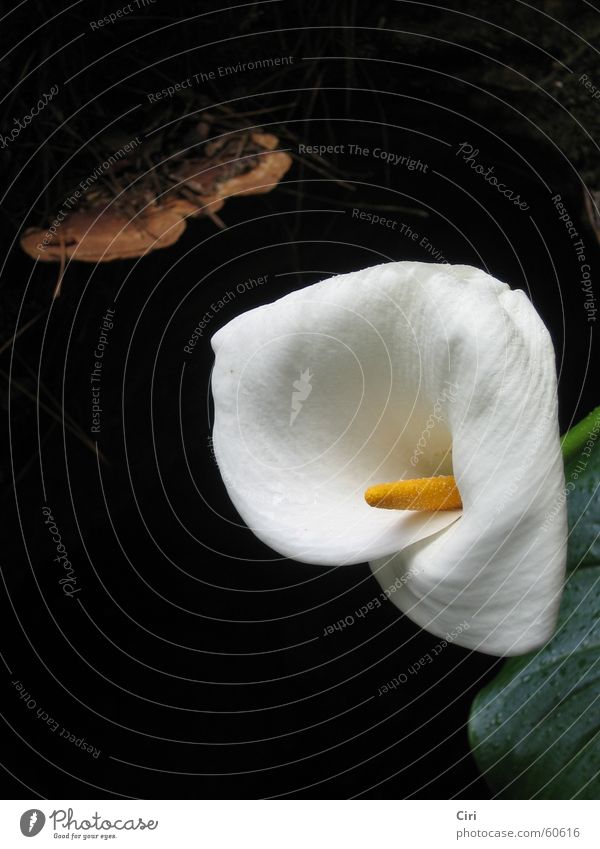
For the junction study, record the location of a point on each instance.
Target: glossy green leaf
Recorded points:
(581, 448)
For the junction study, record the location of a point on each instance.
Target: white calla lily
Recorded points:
(401, 371)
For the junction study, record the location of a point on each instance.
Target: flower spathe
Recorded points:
(405, 370)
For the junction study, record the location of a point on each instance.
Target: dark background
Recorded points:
(192, 656)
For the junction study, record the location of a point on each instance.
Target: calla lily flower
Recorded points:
(423, 388)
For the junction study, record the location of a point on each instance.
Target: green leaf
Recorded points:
(581, 449)
(573, 442)
(535, 729)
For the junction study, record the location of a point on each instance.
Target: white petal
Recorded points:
(335, 387)
(500, 569)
